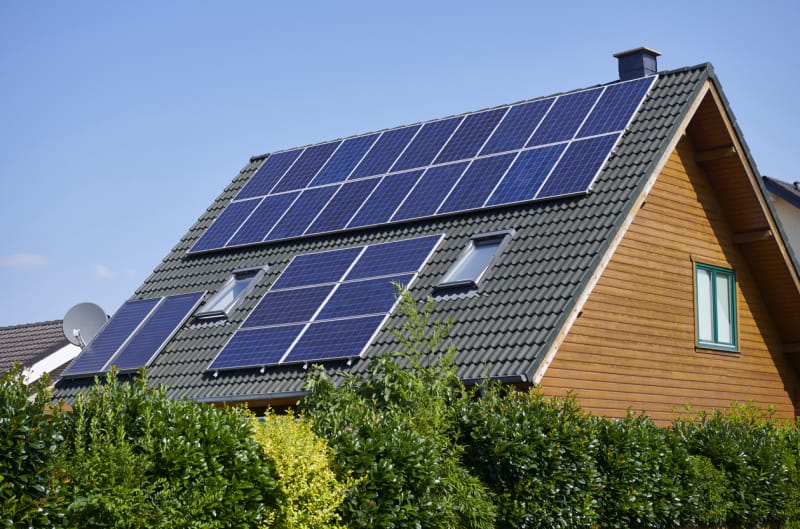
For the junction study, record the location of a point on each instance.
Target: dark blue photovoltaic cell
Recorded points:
(578, 167)
(380, 206)
(159, 327)
(426, 144)
(372, 296)
(471, 135)
(263, 219)
(385, 151)
(477, 183)
(429, 192)
(525, 177)
(306, 167)
(256, 347)
(268, 174)
(343, 160)
(329, 340)
(518, 125)
(316, 268)
(343, 205)
(393, 257)
(564, 118)
(226, 225)
(279, 307)
(302, 212)
(100, 350)
(615, 107)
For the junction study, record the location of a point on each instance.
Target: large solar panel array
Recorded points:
(325, 305)
(134, 335)
(528, 151)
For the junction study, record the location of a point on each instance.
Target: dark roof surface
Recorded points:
(501, 331)
(785, 190)
(29, 343)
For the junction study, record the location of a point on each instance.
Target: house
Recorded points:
(39, 347)
(785, 198)
(614, 241)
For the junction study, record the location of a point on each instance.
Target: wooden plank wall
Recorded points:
(634, 344)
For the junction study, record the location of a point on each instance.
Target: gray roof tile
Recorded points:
(29, 343)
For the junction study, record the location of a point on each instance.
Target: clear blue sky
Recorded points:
(120, 123)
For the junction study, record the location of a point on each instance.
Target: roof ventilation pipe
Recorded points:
(638, 62)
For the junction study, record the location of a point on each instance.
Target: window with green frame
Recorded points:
(715, 293)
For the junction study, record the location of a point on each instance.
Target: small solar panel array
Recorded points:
(325, 305)
(535, 150)
(133, 337)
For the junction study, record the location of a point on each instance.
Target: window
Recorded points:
(232, 293)
(475, 261)
(716, 307)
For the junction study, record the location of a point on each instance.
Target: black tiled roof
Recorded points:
(503, 331)
(788, 192)
(29, 343)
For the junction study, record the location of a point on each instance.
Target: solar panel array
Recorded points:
(528, 151)
(325, 305)
(133, 337)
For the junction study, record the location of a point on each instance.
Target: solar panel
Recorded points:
(159, 328)
(326, 305)
(408, 172)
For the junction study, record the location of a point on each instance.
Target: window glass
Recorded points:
(705, 307)
(475, 260)
(724, 323)
(231, 293)
(716, 307)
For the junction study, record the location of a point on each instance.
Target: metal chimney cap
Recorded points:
(640, 49)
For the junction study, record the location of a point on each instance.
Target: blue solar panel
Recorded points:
(301, 213)
(279, 307)
(306, 167)
(477, 183)
(344, 160)
(471, 135)
(525, 177)
(343, 206)
(564, 118)
(156, 331)
(380, 206)
(268, 174)
(256, 347)
(517, 126)
(118, 329)
(256, 227)
(226, 225)
(317, 268)
(372, 296)
(616, 107)
(385, 151)
(393, 258)
(429, 192)
(578, 167)
(427, 144)
(336, 339)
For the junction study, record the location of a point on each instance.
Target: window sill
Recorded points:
(720, 351)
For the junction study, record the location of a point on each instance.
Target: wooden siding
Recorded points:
(634, 344)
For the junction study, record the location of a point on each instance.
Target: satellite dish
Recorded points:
(82, 322)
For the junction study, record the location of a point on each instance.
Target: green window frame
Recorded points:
(715, 307)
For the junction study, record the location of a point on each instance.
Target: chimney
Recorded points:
(635, 63)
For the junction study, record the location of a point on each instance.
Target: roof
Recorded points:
(789, 192)
(29, 343)
(503, 331)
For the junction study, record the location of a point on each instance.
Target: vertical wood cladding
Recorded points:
(634, 344)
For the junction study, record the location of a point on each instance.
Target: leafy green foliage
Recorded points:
(538, 456)
(310, 492)
(29, 442)
(134, 458)
(395, 430)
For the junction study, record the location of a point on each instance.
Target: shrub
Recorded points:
(29, 443)
(310, 492)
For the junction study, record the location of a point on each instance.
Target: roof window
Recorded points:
(475, 261)
(236, 287)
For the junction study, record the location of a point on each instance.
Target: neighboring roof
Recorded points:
(504, 331)
(29, 343)
(789, 192)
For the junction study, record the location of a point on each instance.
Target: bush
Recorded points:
(134, 458)
(29, 443)
(310, 492)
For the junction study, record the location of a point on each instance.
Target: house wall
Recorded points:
(790, 221)
(634, 344)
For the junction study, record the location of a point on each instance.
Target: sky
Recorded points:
(120, 123)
